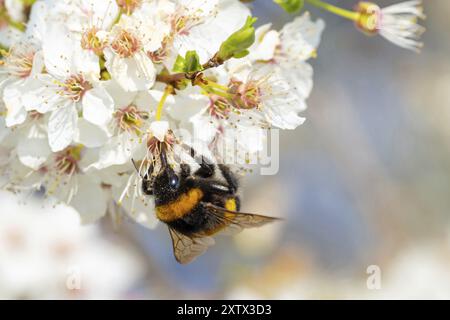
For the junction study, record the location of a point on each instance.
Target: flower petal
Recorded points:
(90, 201)
(133, 74)
(117, 151)
(98, 106)
(12, 96)
(90, 135)
(62, 127)
(159, 129)
(41, 96)
(33, 149)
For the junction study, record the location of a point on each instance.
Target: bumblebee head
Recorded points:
(167, 185)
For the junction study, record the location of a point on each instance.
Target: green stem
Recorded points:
(211, 90)
(217, 86)
(117, 19)
(159, 108)
(348, 14)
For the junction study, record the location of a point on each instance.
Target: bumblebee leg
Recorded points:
(147, 185)
(238, 203)
(185, 170)
(206, 170)
(229, 177)
(207, 167)
(147, 181)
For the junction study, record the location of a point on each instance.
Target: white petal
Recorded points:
(41, 96)
(205, 128)
(62, 127)
(186, 105)
(300, 78)
(133, 74)
(63, 55)
(159, 129)
(4, 131)
(33, 149)
(90, 135)
(9, 36)
(139, 209)
(37, 23)
(301, 37)
(12, 96)
(38, 63)
(207, 37)
(121, 97)
(117, 151)
(98, 106)
(265, 44)
(90, 200)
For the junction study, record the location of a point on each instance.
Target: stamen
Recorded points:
(66, 161)
(74, 87)
(128, 6)
(90, 41)
(246, 95)
(126, 44)
(219, 107)
(130, 119)
(19, 61)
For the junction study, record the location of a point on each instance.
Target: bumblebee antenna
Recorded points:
(137, 169)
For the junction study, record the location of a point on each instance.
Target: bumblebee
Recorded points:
(196, 206)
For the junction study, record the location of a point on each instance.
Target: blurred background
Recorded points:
(363, 185)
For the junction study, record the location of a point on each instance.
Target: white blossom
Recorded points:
(89, 97)
(397, 23)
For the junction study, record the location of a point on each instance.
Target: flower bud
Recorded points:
(290, 6)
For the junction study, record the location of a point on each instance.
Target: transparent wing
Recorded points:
(233, 222)
(186, 248)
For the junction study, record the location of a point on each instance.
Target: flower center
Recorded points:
(34, 115)
(90, 41)
(75, 87)
(130, 119)
(219, 107)
(246, 95)
(128, 6)
(183, 21)
(155, 146)
(369, 17)
(19, 62)
(66, 161)
(159, 55)
(126, 44)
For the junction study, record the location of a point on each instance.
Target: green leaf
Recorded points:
(190, 63)
(290, 6)
(237, 44)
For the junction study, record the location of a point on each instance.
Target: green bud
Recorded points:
(290, 6)
(190, 63)
(237, 44)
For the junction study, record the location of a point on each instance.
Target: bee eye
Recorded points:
(174, 182)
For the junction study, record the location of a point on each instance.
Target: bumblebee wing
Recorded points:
(234, 221)
(186, 249)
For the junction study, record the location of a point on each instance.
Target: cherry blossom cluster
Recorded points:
(91, 89)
